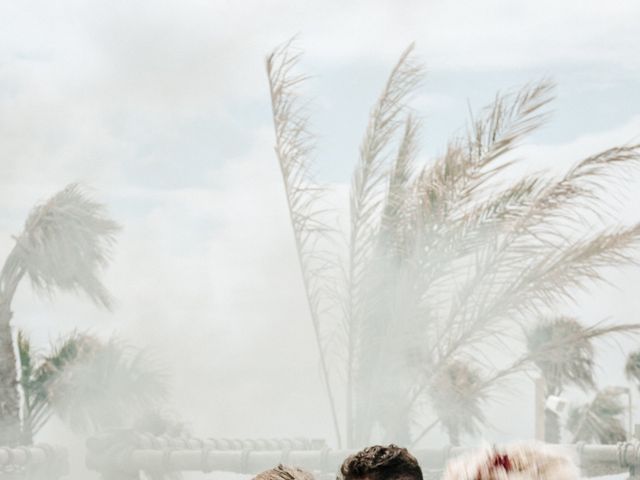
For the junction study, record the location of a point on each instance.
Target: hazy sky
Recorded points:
(163, 109)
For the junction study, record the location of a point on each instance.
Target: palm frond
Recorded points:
(577, 192)
(106, 386)
(457, 397)
(90, 384)
(507, 121)
(31, 389)
(455, 260)
(25, 356)
(65, 243)
(398, 204)
(538, 278)
(371, 172)
(294, 148)
(456, 176)
(598, 421)
(571, 364)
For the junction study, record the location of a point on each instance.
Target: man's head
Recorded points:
(282, 472)
(381, 463)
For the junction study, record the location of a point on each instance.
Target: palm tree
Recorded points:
(562, 350)
(457, 400)
(600, 420)
(632, 367)
(561, 367)
(568, 366)
(88, 383)
(65, 244)
(443, 260)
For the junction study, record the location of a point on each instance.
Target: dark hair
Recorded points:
(381, 463)
(282, 472)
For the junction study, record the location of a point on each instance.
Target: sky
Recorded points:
(162, 109)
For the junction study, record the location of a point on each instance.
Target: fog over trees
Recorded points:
(447, 262)
(305, 228)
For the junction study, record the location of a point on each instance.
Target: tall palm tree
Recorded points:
(443, 260)
(88, 383)
(65, 244)
(599, 421)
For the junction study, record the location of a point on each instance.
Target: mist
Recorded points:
(162, 113)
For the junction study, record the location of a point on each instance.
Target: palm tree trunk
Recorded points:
(9, 398)
(551, 426)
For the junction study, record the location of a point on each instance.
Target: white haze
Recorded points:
(163, 108)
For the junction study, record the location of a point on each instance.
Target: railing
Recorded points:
(123, 456)
(37, 462)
